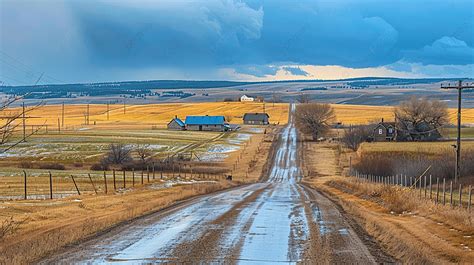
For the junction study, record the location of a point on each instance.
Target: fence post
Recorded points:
(24, 178)
(153, 165)
(51, 186)
(113, 174)
(142, 176)
(133, 177)
(105, 183)
(75, 185)
(124, 185)
(161, 172)
(437, 190)
(444, 191)
(451, 193)
(148, 174)
(460, 195)
(425, 185)
(406, 183)
(431, 189)
(92, 182)
(469, 202)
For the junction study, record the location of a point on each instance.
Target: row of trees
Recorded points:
(414, 117)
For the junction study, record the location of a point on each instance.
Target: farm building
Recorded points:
(256, 118)
(245, 98)
(176, 124)
(206, 123)
(421, 131)
(384, 131)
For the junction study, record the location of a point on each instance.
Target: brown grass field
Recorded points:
(410, 147)
(145, 116)
(158, 115)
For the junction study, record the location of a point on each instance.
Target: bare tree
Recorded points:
(353, 137)
(143, 152)
(303, 98)
(314, 118)
(421, 117)
(11, 121)
(118, 154)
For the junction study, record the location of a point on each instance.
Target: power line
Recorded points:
(459, 86)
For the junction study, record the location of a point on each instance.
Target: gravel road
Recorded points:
(278, 221)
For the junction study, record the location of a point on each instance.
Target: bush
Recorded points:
(100, 167)
(55, 166)
(26, 164)
(353, 137)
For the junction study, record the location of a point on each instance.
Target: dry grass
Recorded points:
(413, 147)
(54, 224)
(145, 116)
(358, 114)
(412, 230)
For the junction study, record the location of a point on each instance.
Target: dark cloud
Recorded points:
(96, 40)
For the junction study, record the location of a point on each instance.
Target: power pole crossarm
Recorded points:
(459, 86)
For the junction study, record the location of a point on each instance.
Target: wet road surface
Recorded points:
(279, 221)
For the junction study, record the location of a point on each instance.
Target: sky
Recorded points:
(54, 41)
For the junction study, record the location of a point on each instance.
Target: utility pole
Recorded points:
(459, 87)
(24, 122)
(88, 114)
(62, 116)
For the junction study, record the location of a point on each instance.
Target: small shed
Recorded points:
(206, 123)
(176, 124)
(384, 131)
(256, 118)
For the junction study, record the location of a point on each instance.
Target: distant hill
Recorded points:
(141, 88)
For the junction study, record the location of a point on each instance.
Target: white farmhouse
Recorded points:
(246, 98)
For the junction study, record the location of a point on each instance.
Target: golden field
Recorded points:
(144, 116)
(413, 147)
(158, 115)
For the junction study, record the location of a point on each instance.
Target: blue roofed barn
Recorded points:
(206, 123)
(176, 124)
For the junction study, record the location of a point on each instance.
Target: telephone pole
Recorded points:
(459, 86)
(62, 116)
(88, 114)
(24, 122)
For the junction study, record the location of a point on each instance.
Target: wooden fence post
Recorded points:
(148, 174)
(437, 190)
(153, 165)
(161, 171)
(92, 183)
(51, 186)
(24, 182)
(105, 182)
(425, 185)
(460, 195)
(142, 177)
(75, 185)
(469, 202)
(113, 175)
(451, 193)
(431, 189)
(124, 185)
(133, 177)
(444, 191)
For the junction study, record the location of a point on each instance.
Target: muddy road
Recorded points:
(278, 221)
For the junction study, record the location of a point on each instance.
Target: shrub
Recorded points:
(26, 164)
(55, 166)
(353, 137)
(100, 167)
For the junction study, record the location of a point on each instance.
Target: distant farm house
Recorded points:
(245, 98)
(176, 124)
(207, 123)
(256, 118)
(385, 131)
(397, 131)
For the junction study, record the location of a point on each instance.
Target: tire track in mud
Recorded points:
(217, 241)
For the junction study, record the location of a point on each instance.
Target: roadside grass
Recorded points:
(46, 226)
(430, 148)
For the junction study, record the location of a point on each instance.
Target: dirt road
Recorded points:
(279, 221)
